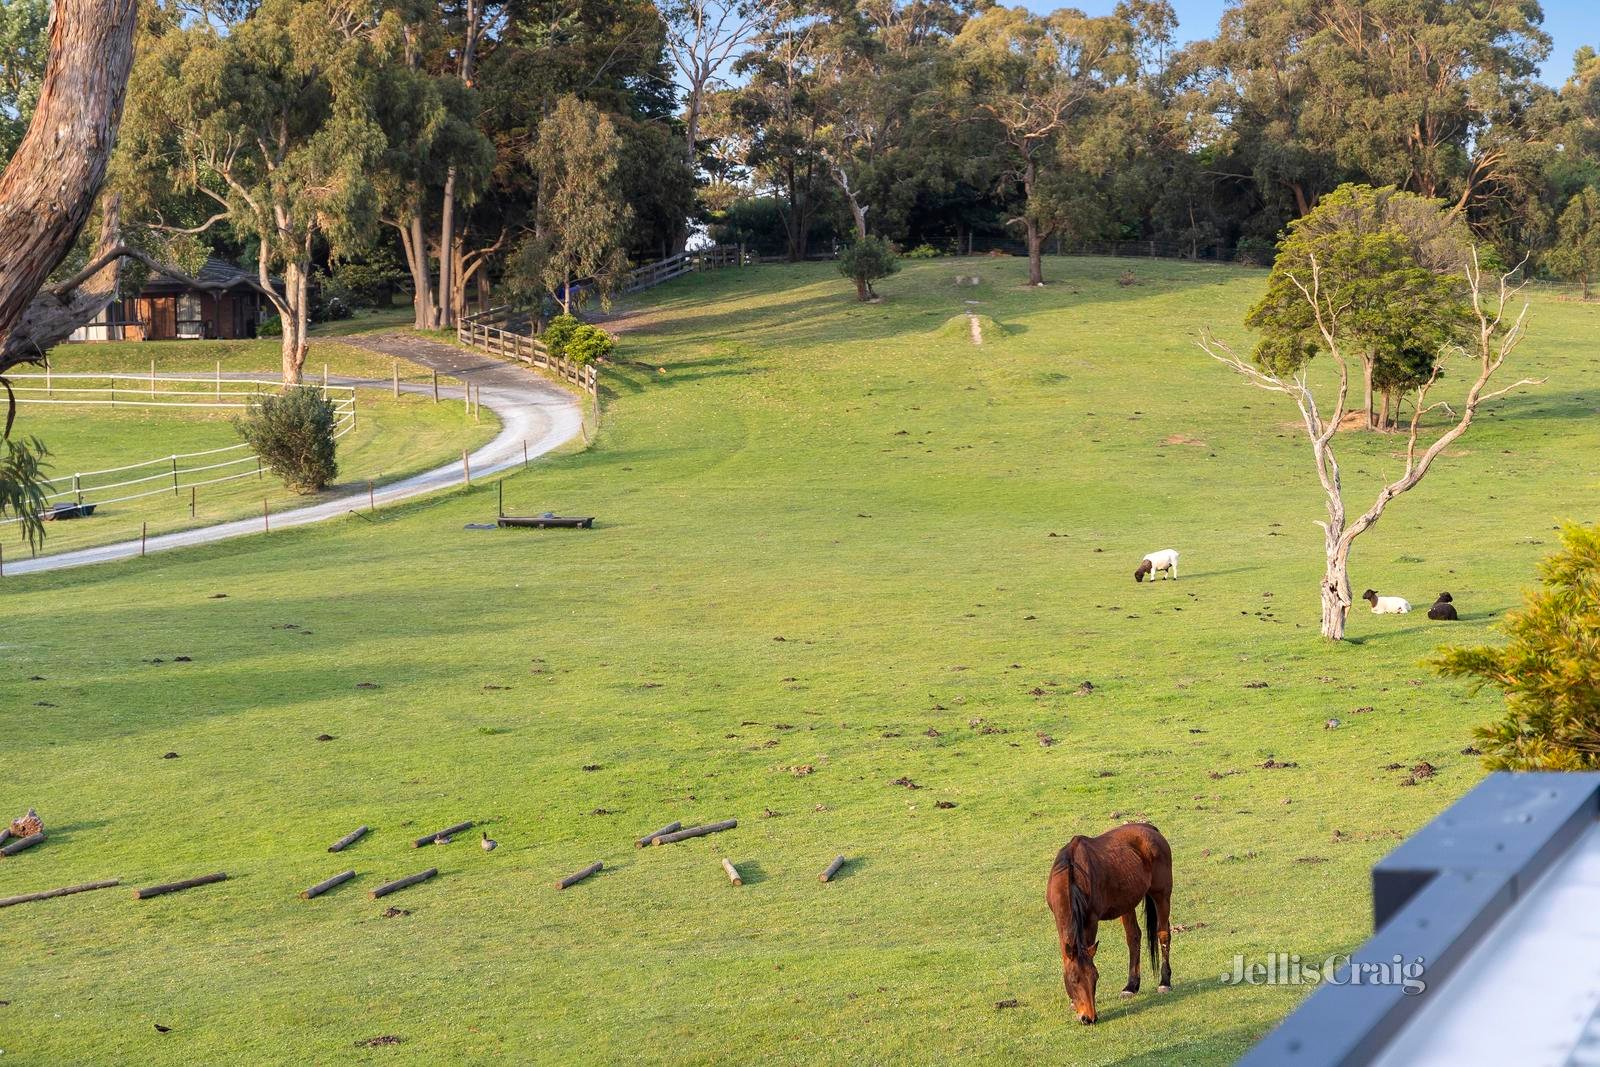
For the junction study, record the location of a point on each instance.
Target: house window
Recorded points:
(190, 322)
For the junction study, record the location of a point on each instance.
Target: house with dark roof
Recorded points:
(168, 310)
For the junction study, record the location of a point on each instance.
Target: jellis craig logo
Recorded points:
(1287, 968)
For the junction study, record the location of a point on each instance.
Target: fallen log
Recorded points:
(5, 832)
(574, 879)
(733, 872)
(347, 840)
(6, 902)
(697, 831)
(21, 843)
(173, 887)
(667, 829)
(400, 883)
(327, 884)
(833, 869)
(448, 831)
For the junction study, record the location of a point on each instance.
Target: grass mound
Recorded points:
(959, 328)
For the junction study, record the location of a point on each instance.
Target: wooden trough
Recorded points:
(66, 511)
(548, 522)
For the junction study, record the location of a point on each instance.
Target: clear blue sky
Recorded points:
(1570, 23)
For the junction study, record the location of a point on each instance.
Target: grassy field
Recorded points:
(839, 549)
(394, 437)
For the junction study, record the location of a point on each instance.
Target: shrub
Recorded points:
(557, 332)
(589, 343)
(270, 326)
(1547, 672)
(864, 262)
(923, 251)
(292, 432)
(1256, 251)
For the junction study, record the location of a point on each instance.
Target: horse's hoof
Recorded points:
(1163, 989)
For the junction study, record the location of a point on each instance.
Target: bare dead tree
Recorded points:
(702, 39)
(1496, 337)
(50, 185)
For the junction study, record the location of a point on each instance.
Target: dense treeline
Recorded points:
(533, 143)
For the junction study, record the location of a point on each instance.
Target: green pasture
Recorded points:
(849, 578)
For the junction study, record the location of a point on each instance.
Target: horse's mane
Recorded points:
(1080, 876)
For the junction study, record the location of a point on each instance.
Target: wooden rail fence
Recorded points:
(488, 330)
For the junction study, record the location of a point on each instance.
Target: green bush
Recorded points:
(588, 344)
(923, 251)
(1547, 671)
(270, 326)
(557, 332)
(864, 262)
(292, 432)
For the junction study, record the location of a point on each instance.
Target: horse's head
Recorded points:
(1080, 975)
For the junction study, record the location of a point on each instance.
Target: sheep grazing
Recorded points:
(1386, 605)
(1165, 560)
(1443, 610)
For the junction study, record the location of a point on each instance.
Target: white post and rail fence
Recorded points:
(163, 474)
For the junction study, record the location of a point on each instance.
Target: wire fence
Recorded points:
(166, 474)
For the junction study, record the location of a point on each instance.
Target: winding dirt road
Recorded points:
(532, 412)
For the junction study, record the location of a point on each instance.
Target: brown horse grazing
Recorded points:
(1106, 877)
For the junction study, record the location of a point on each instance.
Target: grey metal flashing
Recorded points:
(1436, 896)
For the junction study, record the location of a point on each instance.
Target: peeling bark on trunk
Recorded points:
(294, 317)
(442, 315)
(49, 187)
(414, 240)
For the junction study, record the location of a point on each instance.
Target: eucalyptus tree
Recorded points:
(582, 217)
(1576, 253)
(274, 124)
(1036, 79)
(47, 192)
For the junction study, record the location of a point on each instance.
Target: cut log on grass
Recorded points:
(667, 829)
(574, 879)
(347, 840)
(21, 843)
(733, 872)
(6, 902)
(5, 832)
(833, 869)
(400, 883)
(326, 884)
(448, 831)
(696, 831)
(173, 887)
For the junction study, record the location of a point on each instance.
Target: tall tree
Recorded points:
(1034, 77)
(46, 193)
(273, 122)
(775, 110)
(703, 39)
(1576, 254)
(1392, 261)
(1497, 328)
(579, 238)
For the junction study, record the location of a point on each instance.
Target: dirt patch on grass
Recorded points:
(1184, 439)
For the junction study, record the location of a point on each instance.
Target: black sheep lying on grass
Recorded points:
(1443, 610)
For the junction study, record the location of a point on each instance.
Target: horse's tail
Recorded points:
(1150, 927)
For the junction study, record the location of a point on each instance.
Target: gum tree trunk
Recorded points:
(49, 187)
